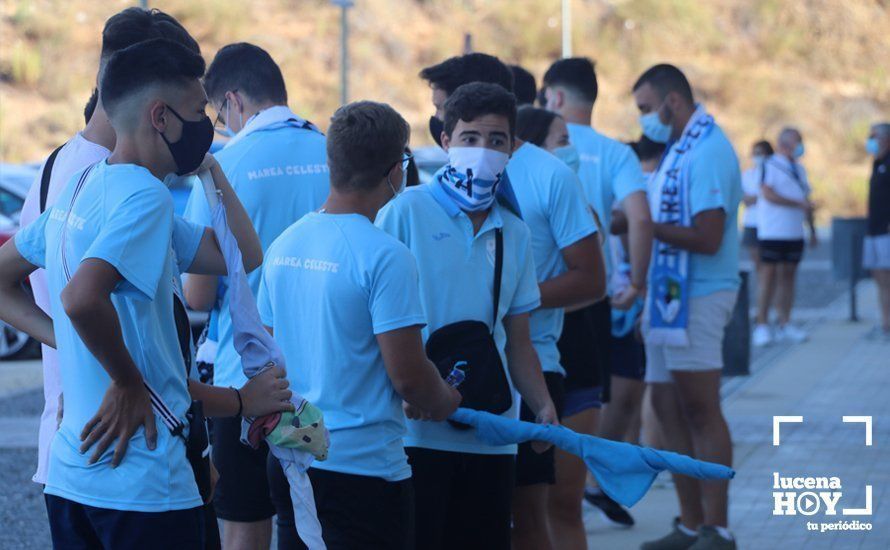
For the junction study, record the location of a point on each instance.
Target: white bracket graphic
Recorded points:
(863, 420)
(861, 511)
(779, 420)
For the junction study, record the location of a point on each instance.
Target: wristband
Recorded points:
(240, 402)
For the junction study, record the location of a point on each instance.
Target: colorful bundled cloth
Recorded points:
(295, 439)
(669, 202)
(623, 471)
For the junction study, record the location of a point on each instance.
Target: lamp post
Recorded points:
(566, 28)
(344, 48)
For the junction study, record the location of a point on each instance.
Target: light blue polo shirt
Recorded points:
(555, 211)
(280, 173)
(609, 172)
(457, 284)
(715, 182)
(331, 283)
(124, 216)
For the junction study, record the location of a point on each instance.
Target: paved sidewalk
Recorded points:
(837, 373)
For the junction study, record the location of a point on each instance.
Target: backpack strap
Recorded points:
(498, 272)
(46, 175)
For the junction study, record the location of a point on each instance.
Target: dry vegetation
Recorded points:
(758, 64)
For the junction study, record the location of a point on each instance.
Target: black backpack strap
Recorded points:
(498, 272)
(45, 177)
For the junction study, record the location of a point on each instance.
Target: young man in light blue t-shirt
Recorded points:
(113, 252)
(568, 264)
(341, 297)
(694, 196)
(611, 178)
(276, 163)
(463, 487)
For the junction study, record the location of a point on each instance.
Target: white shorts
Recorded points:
(708, 317)
(876, 252)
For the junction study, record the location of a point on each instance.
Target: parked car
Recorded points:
(14, 344)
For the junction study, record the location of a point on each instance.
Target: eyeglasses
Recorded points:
(219, 126)
(406, 160)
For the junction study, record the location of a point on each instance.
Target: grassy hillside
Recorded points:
(757, 64)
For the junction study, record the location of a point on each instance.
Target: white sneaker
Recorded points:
(792, 334)
(762, 336)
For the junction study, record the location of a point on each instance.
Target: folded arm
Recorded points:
(704, 237)
(584, 281)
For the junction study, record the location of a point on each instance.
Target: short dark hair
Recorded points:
(646, 149)
(134, 25)
(666, 79)
(90, 106)
(150, 63)
(765, 145)
(524, 86)
(364, 141)
(248, 69)
(477, 99)
(453, 73)
(576, 74)
(533, 124)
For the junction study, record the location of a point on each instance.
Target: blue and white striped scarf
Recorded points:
(669, 202)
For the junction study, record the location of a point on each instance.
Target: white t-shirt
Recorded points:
(776, 221)
(76, 155)
(751, 179)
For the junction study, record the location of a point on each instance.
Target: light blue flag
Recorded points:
(623, 471)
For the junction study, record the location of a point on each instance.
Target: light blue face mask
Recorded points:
(569, 155)
(228, 132)
(799, 151)
(871, 146)
(759, 160)
(654, 128)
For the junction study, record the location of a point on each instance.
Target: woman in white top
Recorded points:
(783, 209)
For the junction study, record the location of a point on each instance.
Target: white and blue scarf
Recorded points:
(669, 201)
(272, 118)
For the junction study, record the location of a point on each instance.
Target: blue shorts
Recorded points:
(579, 400)
(78, 526)
(628, 357)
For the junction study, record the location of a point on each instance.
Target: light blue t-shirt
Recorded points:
(280, 173)
(715, 181)
(331, 283)
(124, 216)
(555, 211)
(457, 284)
(609, 172)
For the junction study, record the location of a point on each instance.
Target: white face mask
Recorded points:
(472, 176)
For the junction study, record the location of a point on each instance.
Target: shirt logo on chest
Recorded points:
(441, 235)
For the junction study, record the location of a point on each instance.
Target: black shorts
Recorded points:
(533, 468)
(628, 357)
(772, 252)
(242, 492)
(76, 526)
(749, 237)
(354, 511)
(462, 500)
(584, 354)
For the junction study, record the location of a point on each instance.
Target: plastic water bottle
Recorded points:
(456, 377)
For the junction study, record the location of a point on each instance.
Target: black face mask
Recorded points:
(189, 151)
(436, 129)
